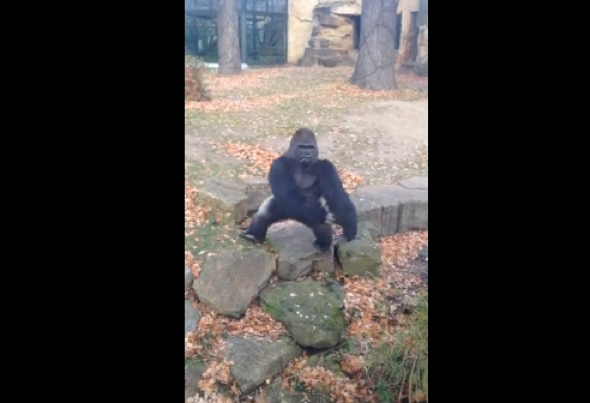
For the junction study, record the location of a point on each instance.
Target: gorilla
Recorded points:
(299, 180)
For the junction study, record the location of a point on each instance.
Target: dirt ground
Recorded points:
(382, 137)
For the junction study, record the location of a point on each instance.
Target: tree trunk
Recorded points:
(407, 47)
(228, 37)
(375, 66)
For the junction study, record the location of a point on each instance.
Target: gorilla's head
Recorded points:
(304, 147)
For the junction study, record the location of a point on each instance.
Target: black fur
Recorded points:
(298, 179)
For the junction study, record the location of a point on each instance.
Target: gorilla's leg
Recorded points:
(323, 237)
(268, 213)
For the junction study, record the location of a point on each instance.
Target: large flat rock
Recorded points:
(227, 200)
(229, 281)
(392, 209)
(256, 360)
(312, 311)
(231, 201)
(297, 255)
(362, 256)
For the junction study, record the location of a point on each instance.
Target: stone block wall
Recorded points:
(332, 40)
(322, 31)
(320, 19)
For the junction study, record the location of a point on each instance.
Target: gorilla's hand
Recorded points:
(314, 214)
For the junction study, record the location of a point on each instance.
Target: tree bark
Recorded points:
(407, 47)
(375, 66)
(228, 38)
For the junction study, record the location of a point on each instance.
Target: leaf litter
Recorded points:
(250, 90)
(364, 303)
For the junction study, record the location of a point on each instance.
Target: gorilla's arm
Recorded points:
(337, 199)
(284, 190)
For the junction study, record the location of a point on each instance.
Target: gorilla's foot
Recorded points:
(321, 248)
(251, 238)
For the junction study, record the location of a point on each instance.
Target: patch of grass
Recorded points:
(193, 362)
(215, 167)
(206, 238)
(400, 367)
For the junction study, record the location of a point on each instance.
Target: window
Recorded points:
(266, 39)
(275, 6)
(263, 30)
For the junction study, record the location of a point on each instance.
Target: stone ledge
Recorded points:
(231, 201)
(396, 208)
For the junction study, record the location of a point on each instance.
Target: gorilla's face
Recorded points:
(303, 147)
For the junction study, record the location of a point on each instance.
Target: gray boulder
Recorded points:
(256, 360)
(228, 201)
(191, 317)
(312, 311)
(297, 255)
(229, 281)
(188, 277)
(276, 393)
(392, 209)
(362, 256)
(193, 374)
(257, 190)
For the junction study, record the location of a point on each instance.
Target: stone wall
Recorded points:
(300, 27)
(305, 23)
(322, 31)
(332, 40)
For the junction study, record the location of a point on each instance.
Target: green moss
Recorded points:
(272, 311)
(335, 321)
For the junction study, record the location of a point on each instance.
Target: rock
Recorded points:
(227, 200)
(347, 7)
(338, 29)
(331, 20)
(193, 374)
(408, 6)
(256, 360)
(417, 182)
(337, 54)
(369, 211)
(300, 23)
(328, 360)
(257, 190)
(229, 281)
(297, 255)
(312, 311)
(419, 266)
(328, 62)
(319, 43)
(276, 393)
(188, 277)
(392, 209)
(361, 257)
(308, 61)
(191, 317)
